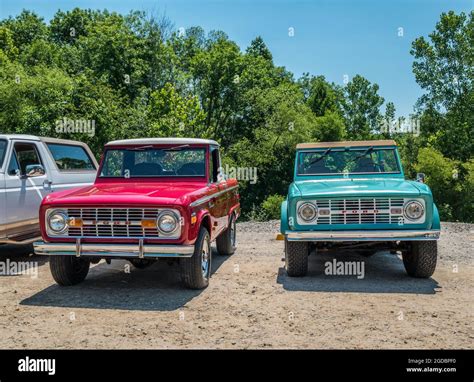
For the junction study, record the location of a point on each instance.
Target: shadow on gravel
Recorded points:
(156, 288)
(11, 254)
(384, 273)
(14, 252)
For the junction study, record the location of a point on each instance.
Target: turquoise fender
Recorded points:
(284, 217)
(436, 222)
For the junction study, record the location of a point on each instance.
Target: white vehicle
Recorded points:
(31, 168)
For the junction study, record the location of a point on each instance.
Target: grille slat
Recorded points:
(357, 211)
(114, 222)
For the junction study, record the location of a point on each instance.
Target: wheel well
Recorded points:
(206, 222)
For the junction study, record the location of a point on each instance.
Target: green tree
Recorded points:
(216, 79)
(320, 96)
(173, 115)
(361, 106)
(451, 183)
(26, 28)
(258, 48)
(7, 45)
(329, 128)
(444, 67)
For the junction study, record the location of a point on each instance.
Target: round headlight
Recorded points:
(57, 221)
(413, 210)
(167, 222)
(307, 211)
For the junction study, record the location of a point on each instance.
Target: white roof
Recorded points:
(25, 137)
(19, 136)
(163, 141)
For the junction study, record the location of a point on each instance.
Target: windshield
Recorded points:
(3, 149)
(352, 161)
(149, 161)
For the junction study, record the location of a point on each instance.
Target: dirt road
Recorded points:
(250, 303)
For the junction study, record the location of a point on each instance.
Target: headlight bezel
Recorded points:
(169, 213)
(407, 204)
(56, 212)
(304, 205)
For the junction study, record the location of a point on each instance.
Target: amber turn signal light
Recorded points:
(75, 222)
(148, 223)
(280, 236)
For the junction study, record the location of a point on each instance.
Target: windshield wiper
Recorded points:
(325, 154)
(368, 151)
(141, 148)
(175, 148)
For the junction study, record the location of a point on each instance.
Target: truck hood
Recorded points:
(130, 193)
(355, 187)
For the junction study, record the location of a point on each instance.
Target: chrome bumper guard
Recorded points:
(139, 251)
(368, 235)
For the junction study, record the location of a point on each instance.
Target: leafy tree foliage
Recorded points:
(136, 76)
(444, 67)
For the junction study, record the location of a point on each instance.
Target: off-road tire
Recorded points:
(191, 268)
(68, 270)
(420, 260)
(226, 245)
(296, 258)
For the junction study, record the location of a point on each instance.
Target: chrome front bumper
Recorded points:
(139, 251)
(393, 235)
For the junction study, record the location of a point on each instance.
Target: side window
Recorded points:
(70, 157)
(26, 155)
(214, 165)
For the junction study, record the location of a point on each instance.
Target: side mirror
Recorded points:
(34, 170)
(420, 177)
(221, 176)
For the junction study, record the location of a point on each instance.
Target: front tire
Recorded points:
(420, 260)
(196, 270)
(296, 258)
(226, 241)
(68, 270)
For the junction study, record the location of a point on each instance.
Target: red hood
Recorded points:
(130, 193)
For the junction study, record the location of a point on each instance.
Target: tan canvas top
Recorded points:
(319, 145)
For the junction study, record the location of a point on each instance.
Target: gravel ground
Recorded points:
(250, 303)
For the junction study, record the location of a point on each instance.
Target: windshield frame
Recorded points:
(2, 158)
(322, 150)
(205, 148)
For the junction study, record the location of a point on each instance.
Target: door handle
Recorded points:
(47, 184)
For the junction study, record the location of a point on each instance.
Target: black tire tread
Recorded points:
(224, 242)
(63, 272)
(191, 274)
(296, 258)
(421, 260)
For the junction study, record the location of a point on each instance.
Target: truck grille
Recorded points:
(358, 211)
(113, 222)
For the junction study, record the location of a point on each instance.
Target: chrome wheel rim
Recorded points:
(206, 258)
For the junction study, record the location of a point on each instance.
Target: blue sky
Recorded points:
(333, 38)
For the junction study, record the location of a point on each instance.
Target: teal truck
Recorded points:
(353, 196)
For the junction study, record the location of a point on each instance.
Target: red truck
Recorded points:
(152, 199)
